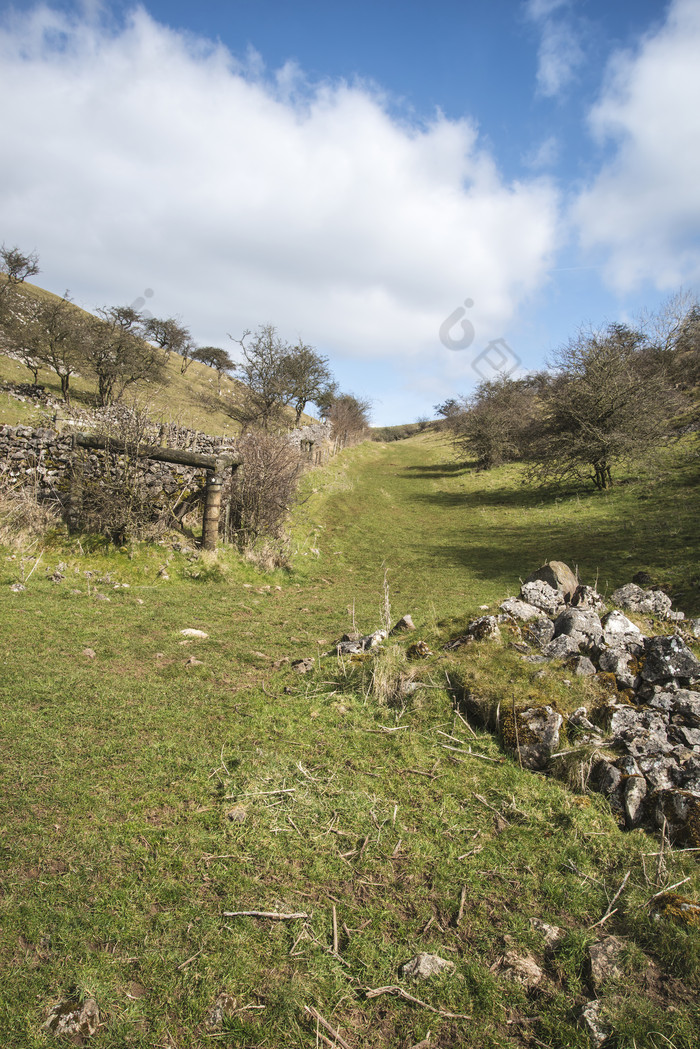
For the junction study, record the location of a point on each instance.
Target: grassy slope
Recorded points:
(180, 401)
(119, 774)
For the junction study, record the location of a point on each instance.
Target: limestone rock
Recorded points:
(72, 1020)
(561, 647)
(423, 966)
(559, 576)
(635, 791)
(191, 632)
(605, 957)
(522, 969)
(617, 661)
(538, 735)
(520, 609)
(578, 622)
(587, 597)
(539, 631)
(543, 596)
(581, 666)
(485, 628)
(225, 1005)
(615, 625)
(681, 809)
(643, 731)
(404, 625)
(593, 1024)
(668, 659)
(634, 598)
(303, 666)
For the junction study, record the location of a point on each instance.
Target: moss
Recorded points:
(678, 909)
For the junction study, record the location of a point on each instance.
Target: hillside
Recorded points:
(180, 401)
(153, 783)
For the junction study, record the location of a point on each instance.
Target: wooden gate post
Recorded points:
(212, 507)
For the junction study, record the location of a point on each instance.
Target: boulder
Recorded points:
(616, 661)
(539, 631)
(681, 810)
(581, 666)
(580, 624)
(641, 730)
(617, 626)
(587, 597)
(668, 659)
(634, 598)
(520, 610)
(543, 596)
(661, 771)
(561, 647)
(559, 576)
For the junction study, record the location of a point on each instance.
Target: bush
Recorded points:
(256, 499)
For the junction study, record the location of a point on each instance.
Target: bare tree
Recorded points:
(56, 333)
(490, 426)
(608, 400)
(265, 392)
(17, 266)
(349, 417)
(215, 358)
(118, 354)
(308, 376)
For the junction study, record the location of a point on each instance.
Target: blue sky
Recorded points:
(355, 173)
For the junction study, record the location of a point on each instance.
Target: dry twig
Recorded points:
(271, 915)
(324, 1023)
(394, 989)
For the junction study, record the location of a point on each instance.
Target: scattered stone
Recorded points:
(543, 596)
(617, 661)
(591, 1021)
(303, 666)
(681, 810)
(404, 625)
(523, 969)
(419, 650)
(101, 597)
(559, 576)
(89, 652)
(642, 730)
(17, 588)
(225, 1005)
(191, 632)
(192, 662)
(423, 966)
(552, 933)
(485, 628)
(237, 814)
(72, 1020)
(615, 624)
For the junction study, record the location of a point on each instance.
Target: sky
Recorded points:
(425, 193)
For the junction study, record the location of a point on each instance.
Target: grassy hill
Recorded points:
(151, 784)
(184, 400)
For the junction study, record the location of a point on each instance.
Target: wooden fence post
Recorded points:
(212, 507)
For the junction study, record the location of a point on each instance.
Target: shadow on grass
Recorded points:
(438, 469)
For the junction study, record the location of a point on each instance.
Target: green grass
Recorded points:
(124, 777)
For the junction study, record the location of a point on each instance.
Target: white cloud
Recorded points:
(560, 52)
(143, 157)
(643, 208)
(544, 155)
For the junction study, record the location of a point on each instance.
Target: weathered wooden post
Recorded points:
(212, 508)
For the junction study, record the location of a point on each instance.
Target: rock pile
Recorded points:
(646, 745)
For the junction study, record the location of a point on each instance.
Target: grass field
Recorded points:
(144, 795)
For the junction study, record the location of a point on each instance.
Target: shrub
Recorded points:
(256, 499)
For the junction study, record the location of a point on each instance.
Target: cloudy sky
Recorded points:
(423, 192)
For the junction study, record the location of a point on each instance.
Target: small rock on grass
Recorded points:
(423, 966)
(303, 666)
(191, 632)
(552, 933)
(73, 1020)
(522, 969)
(192, 662)
(604, 956)
(404, 624)
(592, 1023)
(225, 1005)
(89, 653)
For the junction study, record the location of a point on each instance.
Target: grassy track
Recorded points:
(141, 798)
